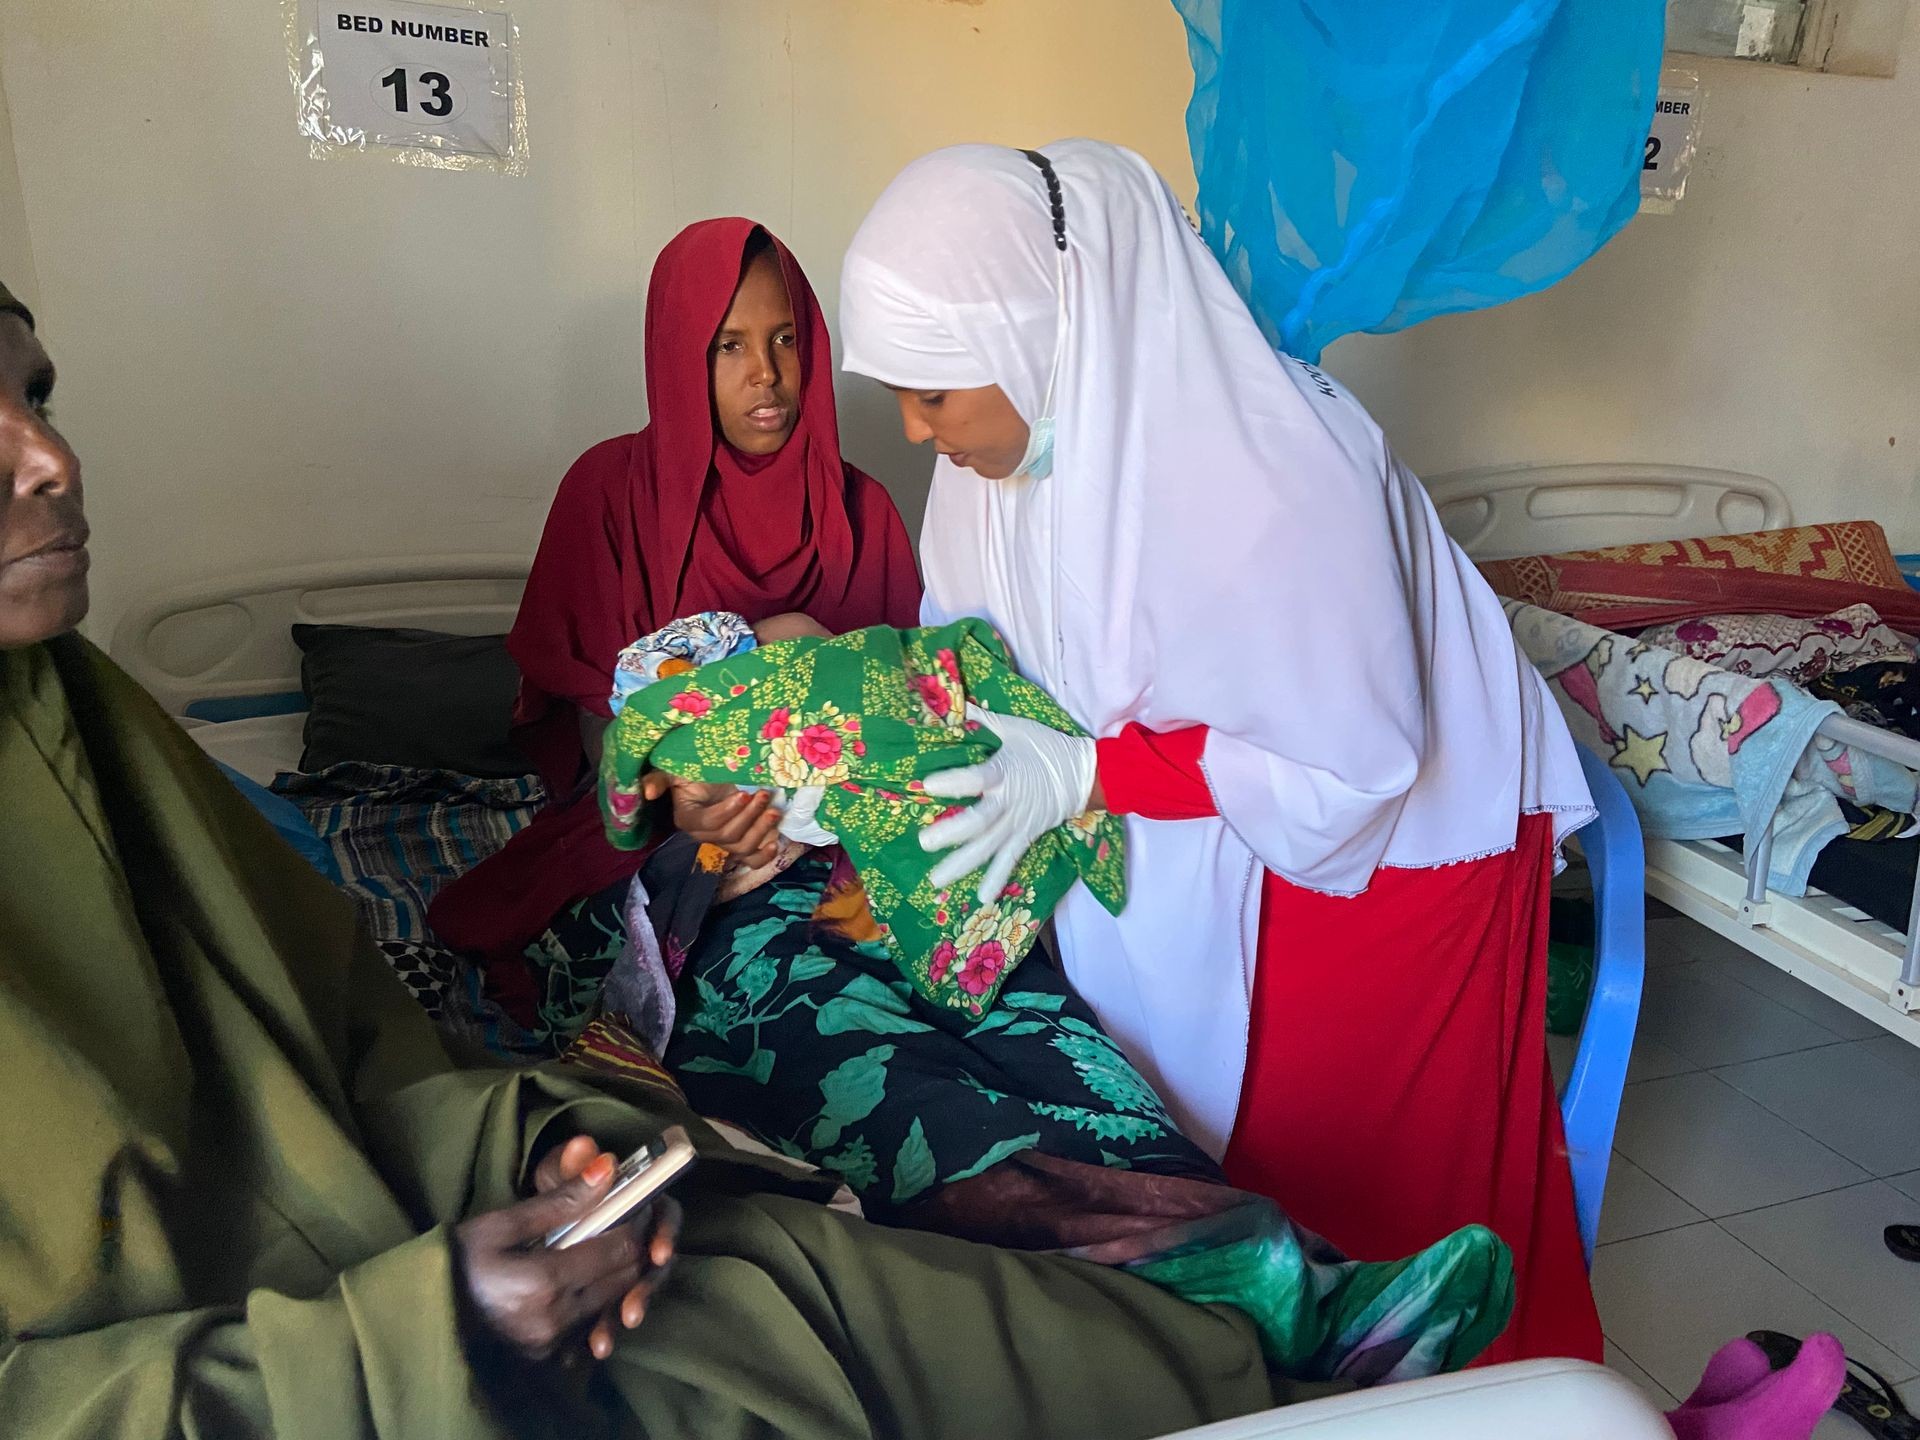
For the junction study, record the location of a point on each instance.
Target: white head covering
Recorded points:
(1225, 540)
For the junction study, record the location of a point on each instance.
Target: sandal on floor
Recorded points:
(1904, 1241)
(1866, 1398)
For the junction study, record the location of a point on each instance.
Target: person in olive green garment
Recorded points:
(246, 1192)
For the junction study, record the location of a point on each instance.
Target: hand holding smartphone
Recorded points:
(641, 1176)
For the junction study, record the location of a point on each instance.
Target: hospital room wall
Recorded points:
(269, 360)
(17, 269)
(1771, 324)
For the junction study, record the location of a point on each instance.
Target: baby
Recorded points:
(702, 639)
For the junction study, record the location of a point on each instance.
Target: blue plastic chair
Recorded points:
(1590, 1104)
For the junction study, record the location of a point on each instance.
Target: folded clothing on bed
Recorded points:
(868, 716)
(1797, 650)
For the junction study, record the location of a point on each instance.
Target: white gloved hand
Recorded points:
(797, 822)
(1037, 779)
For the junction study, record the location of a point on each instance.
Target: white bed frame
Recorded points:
(1496, 514)
(231, 639)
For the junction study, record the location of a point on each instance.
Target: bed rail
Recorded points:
(1759, 859)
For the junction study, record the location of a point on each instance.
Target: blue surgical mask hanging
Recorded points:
(1037, 462)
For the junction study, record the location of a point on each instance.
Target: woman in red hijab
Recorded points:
(735, 497)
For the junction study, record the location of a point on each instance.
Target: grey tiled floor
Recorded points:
(1766, 1137)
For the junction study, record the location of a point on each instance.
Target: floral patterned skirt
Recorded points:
(813, 1043)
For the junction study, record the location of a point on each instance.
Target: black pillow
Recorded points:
(408, 697)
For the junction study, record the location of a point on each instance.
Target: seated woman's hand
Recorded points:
(530, 1298)
(746, 826)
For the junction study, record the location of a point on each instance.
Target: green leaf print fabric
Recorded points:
(868, 716)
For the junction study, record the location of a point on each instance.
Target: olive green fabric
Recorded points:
(234, 1148)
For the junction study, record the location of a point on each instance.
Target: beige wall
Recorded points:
(270, 360)
(17, 269)
(1771, 324)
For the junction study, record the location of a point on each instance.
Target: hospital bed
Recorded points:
(220, 656)
(1827, 943)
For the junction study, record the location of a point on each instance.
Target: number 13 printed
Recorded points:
(438, 101)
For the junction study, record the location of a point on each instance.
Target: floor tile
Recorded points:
(1832, 1245)
(1899, 1053)
(1668, 943)
(1720, 1151)
(1618, 1362)
(1637, 1204)
(1855, 1102)
(1670, 1300)
(1653, 1061)
(1711, 1020)
(1660, 910)
(1798, 996)
(1682, 940)
(1909, 1184)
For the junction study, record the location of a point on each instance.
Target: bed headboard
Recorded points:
(1521, 510)
(231, 640)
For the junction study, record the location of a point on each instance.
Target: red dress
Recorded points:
(1397, 1084)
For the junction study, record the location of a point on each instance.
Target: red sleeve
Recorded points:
(1156, 775)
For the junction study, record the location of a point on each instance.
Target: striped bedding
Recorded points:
(399, 836)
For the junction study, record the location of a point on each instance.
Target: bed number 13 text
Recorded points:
(425, 93)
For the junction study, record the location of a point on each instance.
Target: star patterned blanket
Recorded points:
(1705, 753)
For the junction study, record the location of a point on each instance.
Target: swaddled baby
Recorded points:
(854, 726)
(697, 640)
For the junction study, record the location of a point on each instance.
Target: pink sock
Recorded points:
(1736, 1367)
(1776, 1405)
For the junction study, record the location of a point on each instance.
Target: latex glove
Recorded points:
(798, 823)
(1037, 779)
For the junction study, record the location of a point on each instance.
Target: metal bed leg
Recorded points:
(1759, 867)
(1910, 962)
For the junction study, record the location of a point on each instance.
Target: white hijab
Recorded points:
(1225, 540)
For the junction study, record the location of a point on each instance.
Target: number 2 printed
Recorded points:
(439, 101)
(1653, 152)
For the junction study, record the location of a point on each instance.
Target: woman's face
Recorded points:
(978, 429)
(43, 532)
(755, 362)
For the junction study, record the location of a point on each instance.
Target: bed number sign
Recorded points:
(1669, 150)
(413, 75)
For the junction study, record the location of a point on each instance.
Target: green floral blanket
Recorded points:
(868, 716)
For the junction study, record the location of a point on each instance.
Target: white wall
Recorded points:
(17, 269)
(269, 360)
(1771, 324)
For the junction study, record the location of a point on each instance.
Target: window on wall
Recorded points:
(1847, 37)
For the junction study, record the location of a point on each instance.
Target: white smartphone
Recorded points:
(641, 1176)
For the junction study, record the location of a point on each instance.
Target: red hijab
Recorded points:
(650, 527)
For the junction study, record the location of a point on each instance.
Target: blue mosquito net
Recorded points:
(1366, 164)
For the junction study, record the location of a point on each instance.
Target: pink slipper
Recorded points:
(1736, 1400)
